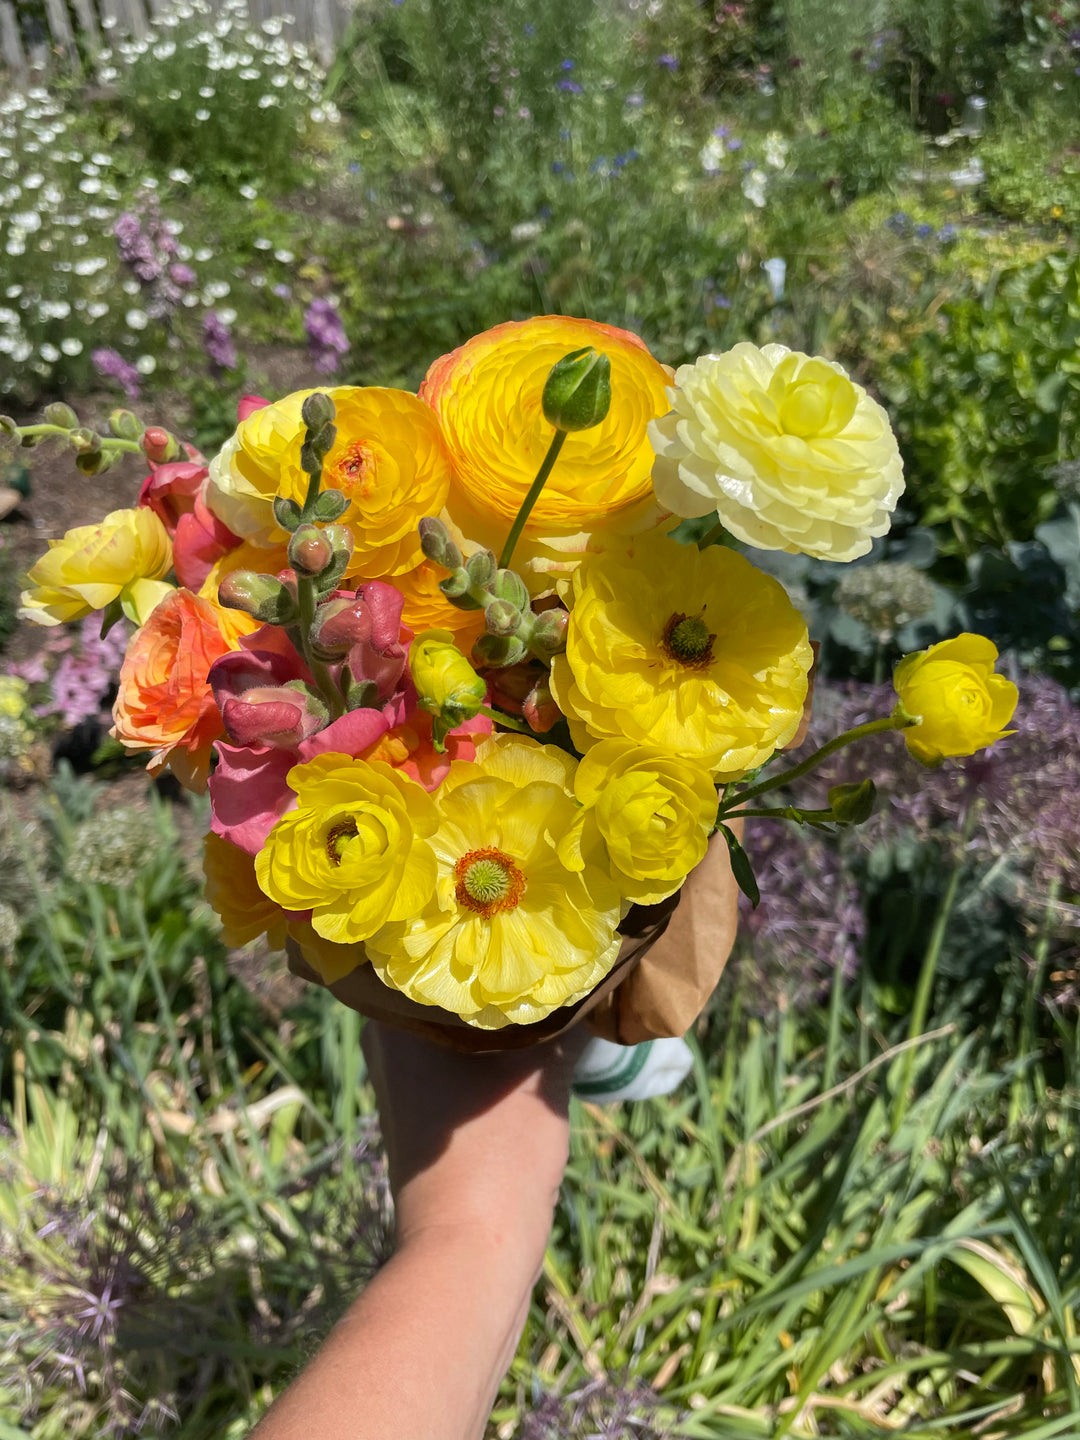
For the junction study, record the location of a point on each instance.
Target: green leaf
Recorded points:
(741, 867)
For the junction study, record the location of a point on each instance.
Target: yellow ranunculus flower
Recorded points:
(388, 458)
(354, 852)
(961, 704)
(124, 558)
(652, 810)
(789, 452)
(510, 933)
(233, 891)
(488, 394)
(694, 651)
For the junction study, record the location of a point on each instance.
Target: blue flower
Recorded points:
(669, 62)
(568, 64)
(734, 143)
(947, 234)
(557, 167)
(570, 86)
(530, 30)
(924, 231)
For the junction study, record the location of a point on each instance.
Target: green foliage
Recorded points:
(860, 142)
(1033, 169)
(986, 401)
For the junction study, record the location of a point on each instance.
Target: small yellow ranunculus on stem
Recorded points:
(120, 561)
(952, 699)
(447, 686)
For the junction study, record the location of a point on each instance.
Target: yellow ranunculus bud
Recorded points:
(653, 811)
(960, 704)
(124, 558)
(447, 686)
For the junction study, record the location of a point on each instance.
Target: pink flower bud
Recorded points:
(247, 405)
(272, 715)
(158, 445)
(311, 551)
(539, 709)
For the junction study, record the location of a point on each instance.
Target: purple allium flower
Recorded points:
(182, 275)
(145, 243)
(327, 340)
(113, 366)
(734, 143)
(668, 62)
(218, 342)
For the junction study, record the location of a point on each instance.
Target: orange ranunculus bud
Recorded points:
(165, 704)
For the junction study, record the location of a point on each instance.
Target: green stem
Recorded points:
(711, 536)
(531, 498)
(507, 720)
(925, 987)
(779, 812)
(314, 481)
(109, 442)
(306, 598)
(872, 727)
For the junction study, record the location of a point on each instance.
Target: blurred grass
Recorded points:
(191, 1190)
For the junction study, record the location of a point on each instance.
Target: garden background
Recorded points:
(858, 1217)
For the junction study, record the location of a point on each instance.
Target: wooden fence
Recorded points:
(35, 38)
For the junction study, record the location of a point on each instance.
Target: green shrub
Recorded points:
(986, 401)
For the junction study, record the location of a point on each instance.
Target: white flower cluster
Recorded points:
(58, 202)
(228, 44)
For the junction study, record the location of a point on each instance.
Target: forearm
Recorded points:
(421, 1352)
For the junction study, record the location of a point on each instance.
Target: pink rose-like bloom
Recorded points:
(170, 490)
(175, 494)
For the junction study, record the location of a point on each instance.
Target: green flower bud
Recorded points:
(481, 568)
(341, 541)
(437, 545)
(85, 441)
(502, 618)
(852, 804)
(508, 585)
(286, 512)
(311, 551)
(125, 425)
(497, 651)
(456, 589)
(262, 596)
(548, 636)
(577, 394)
(318, 410)
(362, 695)
(330, 505)
(60, 414)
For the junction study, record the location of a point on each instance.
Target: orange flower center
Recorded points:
(488, 882)
(354, 471)
(688, 640)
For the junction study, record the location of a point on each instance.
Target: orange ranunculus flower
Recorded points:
(165, 704)
(427, 608)
(233, 891)
(488, 393)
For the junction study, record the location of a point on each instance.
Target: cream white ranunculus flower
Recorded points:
(790, 453)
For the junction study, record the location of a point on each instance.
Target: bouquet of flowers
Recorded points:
(469, 711)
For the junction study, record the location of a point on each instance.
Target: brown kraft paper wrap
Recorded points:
(671, 958)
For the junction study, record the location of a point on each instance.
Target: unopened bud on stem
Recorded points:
(577, 394)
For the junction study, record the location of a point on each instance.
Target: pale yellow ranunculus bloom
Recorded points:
(510, 932)
(787, 451)
(122, 558)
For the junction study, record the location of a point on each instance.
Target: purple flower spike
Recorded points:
(327, 340)
(218, 342)
(113, 366)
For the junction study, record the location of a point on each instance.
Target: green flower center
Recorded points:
(688, 640)
(343, 830)
(488, 882)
